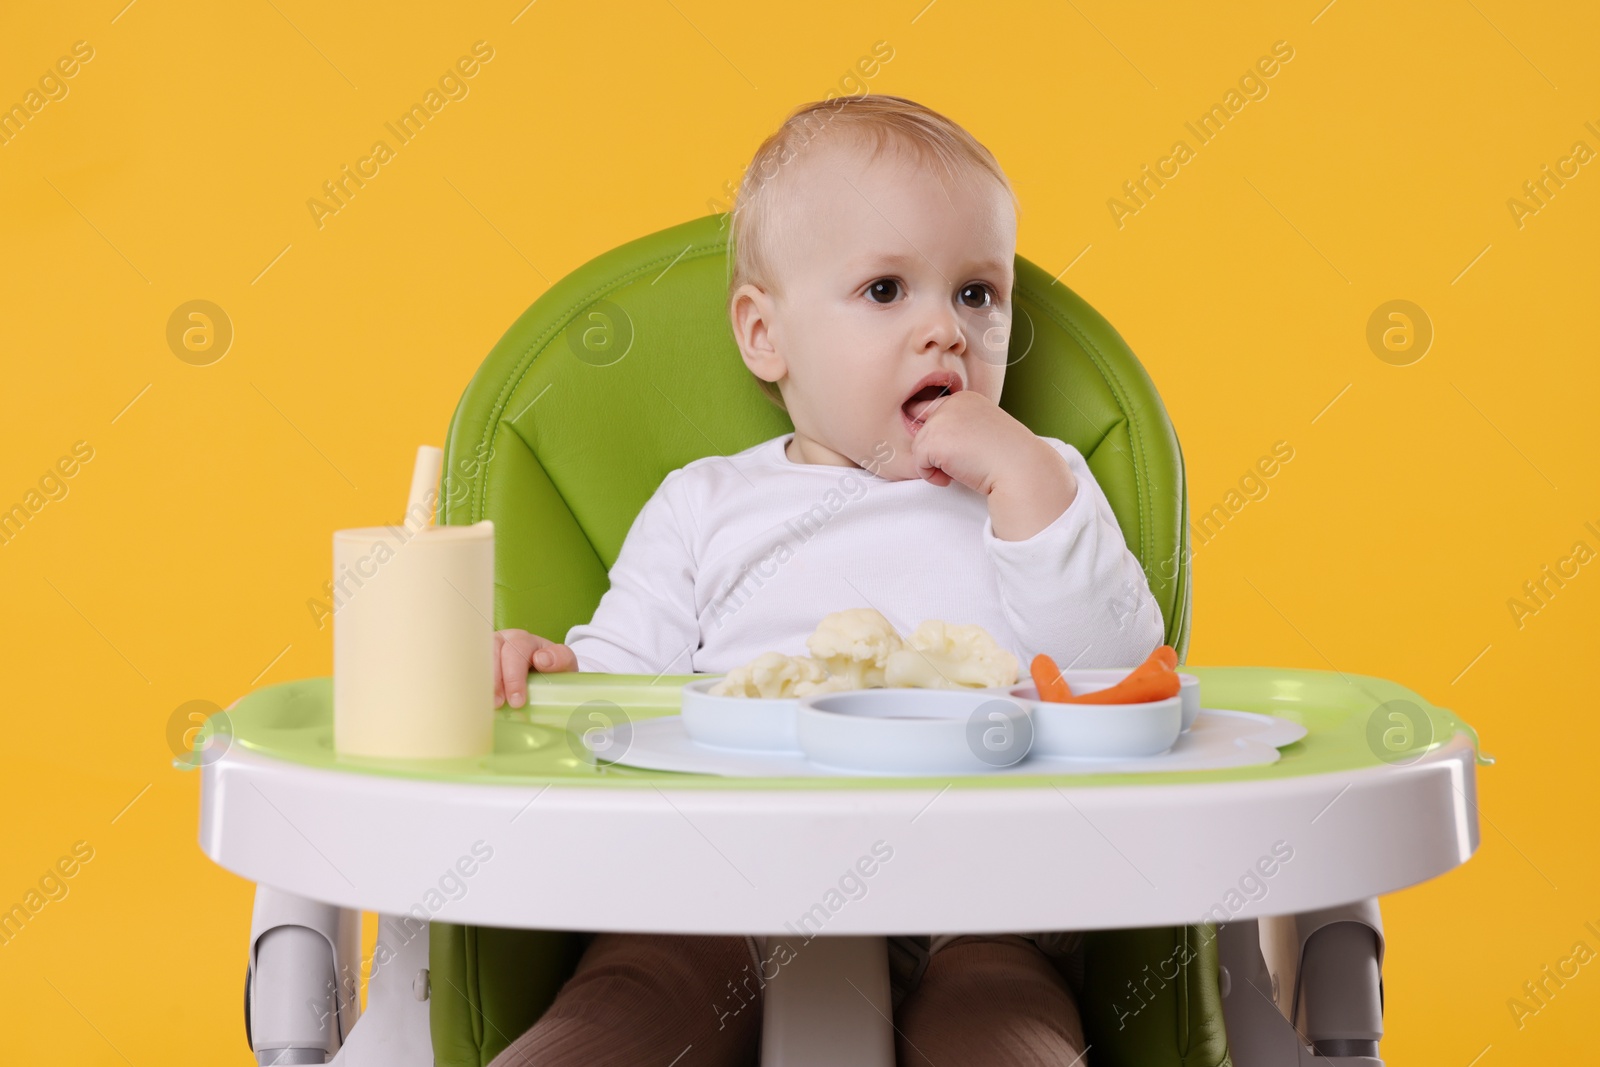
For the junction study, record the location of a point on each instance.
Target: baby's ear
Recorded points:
(751, 312)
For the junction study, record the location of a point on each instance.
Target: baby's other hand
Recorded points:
(515, 651)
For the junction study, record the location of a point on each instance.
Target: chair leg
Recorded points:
(301, 994)
(1326, 977)
(395, 1029)
(1339, 991)
(1258, 1033)
(828, 1005)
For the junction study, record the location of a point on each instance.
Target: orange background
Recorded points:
(177, 565)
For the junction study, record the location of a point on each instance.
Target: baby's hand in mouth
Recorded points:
(968, 438)
(963, 436)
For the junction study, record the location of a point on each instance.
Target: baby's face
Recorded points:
(887, 279)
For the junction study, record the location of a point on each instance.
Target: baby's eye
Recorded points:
(883, 291)
(979, 292)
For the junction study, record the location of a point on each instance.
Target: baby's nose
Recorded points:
(944, 334)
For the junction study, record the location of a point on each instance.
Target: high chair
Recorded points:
(620, 373)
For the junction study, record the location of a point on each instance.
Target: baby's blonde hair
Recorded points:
(880, 122)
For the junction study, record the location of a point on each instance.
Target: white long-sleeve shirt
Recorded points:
(738, 555)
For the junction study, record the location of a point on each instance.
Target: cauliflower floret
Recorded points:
(942, 655)
(854, 645)
(772, 675)
(831, 684)
(859, 649)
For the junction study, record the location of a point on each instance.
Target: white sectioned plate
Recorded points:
(914, 731)
(1101, 731)
(1270, 729)
(748, 724)
(1219, 740)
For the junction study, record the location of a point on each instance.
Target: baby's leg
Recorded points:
(987, 1001)
(645, 999)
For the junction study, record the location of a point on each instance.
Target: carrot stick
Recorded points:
(1138, 687)
(1162, 659)
(1155, 664)
(1047, 679)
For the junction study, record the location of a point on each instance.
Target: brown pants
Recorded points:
(663, 1000)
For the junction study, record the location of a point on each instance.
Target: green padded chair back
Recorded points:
(627, 369)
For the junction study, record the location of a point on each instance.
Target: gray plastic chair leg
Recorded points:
(1343, 998)
(292, 999)
(1326, 981)
(301, 998)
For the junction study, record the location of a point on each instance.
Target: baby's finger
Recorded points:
(514, 657)
(552, 657)
(934, 405)
(922, 453)
(499, 689)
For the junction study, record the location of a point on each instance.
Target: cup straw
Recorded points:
(424, 477)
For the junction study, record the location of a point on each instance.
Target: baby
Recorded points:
(873, 247)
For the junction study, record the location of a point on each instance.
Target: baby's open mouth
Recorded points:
(929, 389)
